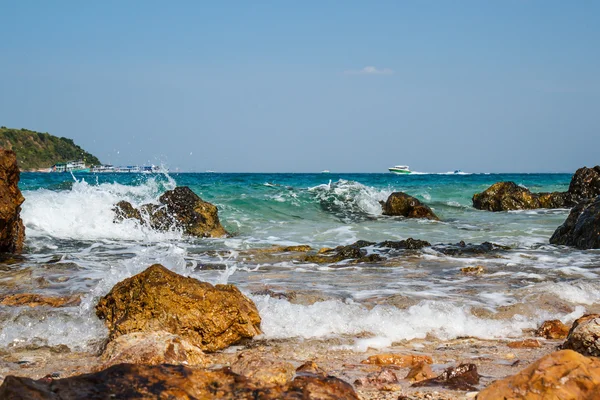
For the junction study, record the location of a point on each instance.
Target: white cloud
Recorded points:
(370, 70)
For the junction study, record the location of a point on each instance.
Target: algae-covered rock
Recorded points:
(12, 230)
(563, 374)
(401, 204)
(210, 317)
(581, 229)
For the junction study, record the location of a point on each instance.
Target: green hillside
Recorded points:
(37, 150)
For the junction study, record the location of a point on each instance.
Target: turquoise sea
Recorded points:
(74, 247)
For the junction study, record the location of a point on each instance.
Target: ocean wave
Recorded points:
(350, 201)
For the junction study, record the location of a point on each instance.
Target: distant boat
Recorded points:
(400, 169)
(458, 171)
(325, 171)
(70, 166)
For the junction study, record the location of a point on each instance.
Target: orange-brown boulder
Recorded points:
(563, 374)
(134, 381)
(12, 230)
(584, 336)
(152, 348)
(210, 317)
(400, 360)
(462, 377)
(553, 329)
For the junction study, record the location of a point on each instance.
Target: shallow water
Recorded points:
(74, 247)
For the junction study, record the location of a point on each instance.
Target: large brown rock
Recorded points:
(131, 381)
(553, 329)
(504, 196)
(12, 230)
(584, 336)
(585, 184)
(581, 229)
(401, 204)
(563, 374)
(179, 208)
(210, 317)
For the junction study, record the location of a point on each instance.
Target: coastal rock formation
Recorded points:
(12, 230)
(505, 196)
(180, 208)
(152, 348)
(581, 229)
(128, 381)
(585, 184)
(584, 336)
(563, 374)
(461, 248)
(210, 317)
(401, 204)
(351, 251)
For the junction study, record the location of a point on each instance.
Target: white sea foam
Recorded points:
(85, 212)
(574, 292)
(281, 319)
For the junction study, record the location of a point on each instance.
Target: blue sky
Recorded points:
(353, 86)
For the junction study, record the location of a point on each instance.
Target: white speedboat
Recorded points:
(400, 169)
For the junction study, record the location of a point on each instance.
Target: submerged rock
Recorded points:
(461, 248)
(210, 317)
(408, 244)
(180, 208)
(12, 230)
(129, 381)
(584, 336)
(262, 369)
(351, 251)
(37, 300)
(399, 360)
(380, 379)
(419, 372)
(581, 229)
(560, 375)
(401, 204)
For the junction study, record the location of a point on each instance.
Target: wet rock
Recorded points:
(12, 230)
(180, 208)
(581, 229)
(401, 204)
(504, 196)
(585, 183)
(152, 348)
(400, 360)
(473, 270)
(210, 317)
(584, 336)
(128, 381)
(461, 248)
(351, 251)
(408, 244)
(525, 344)
(262, 369)
(462, 377)
(380, 379)
(553, 329)
(419, 373)
(310, 367)
(125, 210)
(37, 300)
(560, 375)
